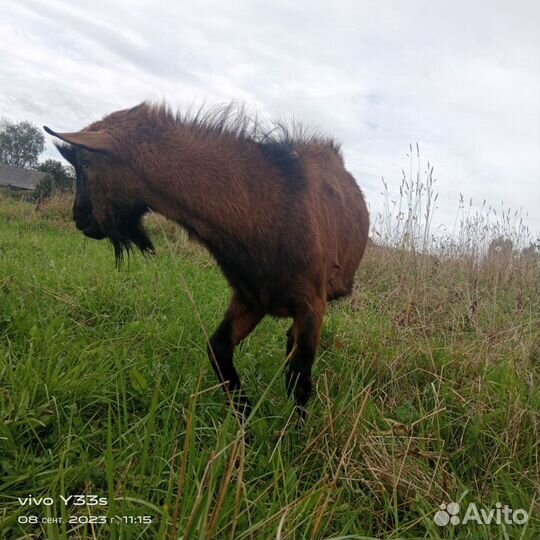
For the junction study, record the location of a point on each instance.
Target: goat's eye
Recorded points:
(85, 163)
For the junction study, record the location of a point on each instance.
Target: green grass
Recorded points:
(427, 391)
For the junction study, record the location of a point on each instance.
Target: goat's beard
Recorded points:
(123, 238)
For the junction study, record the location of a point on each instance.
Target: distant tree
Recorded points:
(59, 179)
(20, 144)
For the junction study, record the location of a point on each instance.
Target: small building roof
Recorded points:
(17, 178)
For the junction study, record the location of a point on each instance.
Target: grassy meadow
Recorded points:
(427, 390)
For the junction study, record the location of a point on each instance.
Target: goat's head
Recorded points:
(108, 200)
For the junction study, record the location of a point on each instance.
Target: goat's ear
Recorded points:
(96, 141)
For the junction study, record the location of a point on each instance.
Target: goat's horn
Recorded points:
(100, 141)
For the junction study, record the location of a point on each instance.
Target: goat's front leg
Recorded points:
(238, 322)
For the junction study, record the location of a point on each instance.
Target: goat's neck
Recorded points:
(206, 188)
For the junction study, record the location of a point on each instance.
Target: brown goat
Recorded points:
(284, 220)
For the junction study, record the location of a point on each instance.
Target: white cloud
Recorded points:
(460, 78)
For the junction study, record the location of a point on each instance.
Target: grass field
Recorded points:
(427, 391)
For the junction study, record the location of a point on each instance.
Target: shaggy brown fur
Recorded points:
(275, 206)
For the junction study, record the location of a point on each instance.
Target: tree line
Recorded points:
(21, 145)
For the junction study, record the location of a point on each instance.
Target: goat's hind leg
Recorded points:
(290, 341)
(238, 322)
(302, 343)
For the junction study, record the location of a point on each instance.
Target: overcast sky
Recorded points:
(461, 78)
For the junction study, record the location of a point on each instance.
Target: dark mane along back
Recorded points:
(276, 138)
(283, 157)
